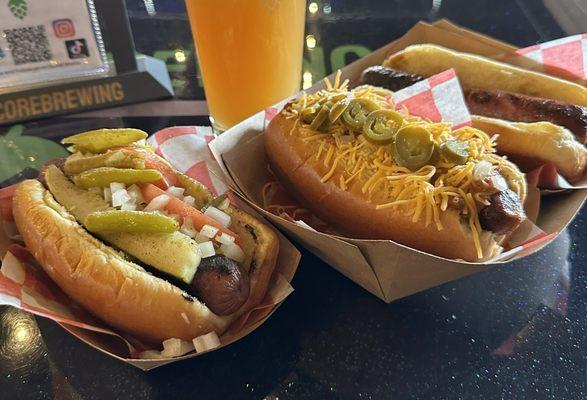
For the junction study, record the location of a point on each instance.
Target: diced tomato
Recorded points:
(177, 207)
(153, 161)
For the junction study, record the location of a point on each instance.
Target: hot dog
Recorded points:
(158, 264)
(494, 103)
(545, 111)
(374, 173)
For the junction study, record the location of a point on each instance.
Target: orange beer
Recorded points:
(250, 53)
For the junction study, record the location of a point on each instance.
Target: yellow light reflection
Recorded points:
(22, 334)
(313, 7)
(306, 80)
(180, 56)
(310, 41)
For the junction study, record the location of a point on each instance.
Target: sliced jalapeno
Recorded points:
(320, 118)
(309, 113)
(413, 147)
(435, 157)
(130, 221)
(381, 126)
(356, 113)
(338, 109)
(455, 151)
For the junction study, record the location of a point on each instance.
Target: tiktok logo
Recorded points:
(77, 48)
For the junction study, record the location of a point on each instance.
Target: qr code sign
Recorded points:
(28, 45)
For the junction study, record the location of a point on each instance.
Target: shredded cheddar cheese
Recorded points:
(424, 194)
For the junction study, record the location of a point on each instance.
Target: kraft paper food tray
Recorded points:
(386, 269)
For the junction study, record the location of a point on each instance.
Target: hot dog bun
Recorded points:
(532, 144)
(120, 292)
(294, 162)
(482, 73)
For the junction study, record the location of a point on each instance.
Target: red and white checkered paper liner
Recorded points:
(438, 98)
(565, 57)
(24, 285)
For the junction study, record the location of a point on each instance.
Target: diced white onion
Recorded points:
(129, 206)
(209, 231)
(187, 228)
(220, 216)
(206, 249)
(158, 203)
(225, 238)
(481, 170)
(135, 194)
(499, 182)
(107, 194)
(119, 197)
(232, 251)
(189, 200)
(206, 342)
(176, 347)
(199, 238)
(114, 186)
(175, 191)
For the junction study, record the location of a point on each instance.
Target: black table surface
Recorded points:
(512, 332)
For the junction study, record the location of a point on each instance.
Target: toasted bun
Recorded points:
(120, 292)
(295, 164)
(532, 144)
(482, 73)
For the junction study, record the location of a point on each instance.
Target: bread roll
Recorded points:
(532, 144)
(482, 73)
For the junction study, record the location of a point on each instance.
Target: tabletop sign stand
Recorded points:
(137, 78)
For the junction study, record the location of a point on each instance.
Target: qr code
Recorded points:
(28, 45)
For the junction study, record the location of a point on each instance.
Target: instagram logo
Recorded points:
(63, 28)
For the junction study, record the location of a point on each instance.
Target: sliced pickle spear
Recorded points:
(77, 163)
(104, 176)
(130, 221)
(100, 140)
(79, 202)
(172, 253)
